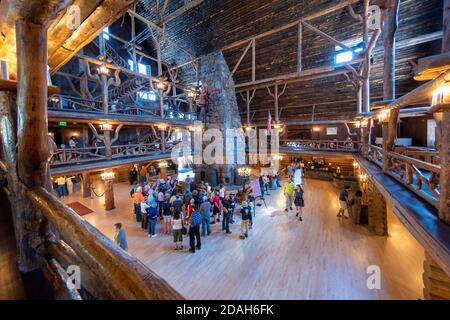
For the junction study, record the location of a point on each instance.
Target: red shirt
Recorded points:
(216, 201)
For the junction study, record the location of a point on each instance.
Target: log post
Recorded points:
(32, 150)
(446, 27)
(108, 178)
(163, 140)
(377, 210)
(436, 281)
(107, 142)
(365, 140)
(389, 27)
(86, 184)
(385, 159)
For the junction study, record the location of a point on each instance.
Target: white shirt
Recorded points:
(222, 193)
(177, 224)
(144, 206)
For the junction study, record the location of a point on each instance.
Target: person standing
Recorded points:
(343, 202)
(152, 217)
(290, 170)
(205, 211)
(232, 207)
(167, 214)
(194, 231)
(216, 207)
(143, 175)
(120, 237)
(187, 183)
(133, 175)
(245, 217)
(137, 199)
(226, 214)
(144, 213)
(288, 193)
(61, 183)
(298, 201)
(177, 229)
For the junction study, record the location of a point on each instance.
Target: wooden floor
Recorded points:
(319, 258)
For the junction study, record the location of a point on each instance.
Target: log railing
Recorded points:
(92, 154)
(106, 271)
(74, 104)
(419, 176)
(321, 145)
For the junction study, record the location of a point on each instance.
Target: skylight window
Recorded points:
(106, 33)
(147, 95)
(344, 56)
(141, 68)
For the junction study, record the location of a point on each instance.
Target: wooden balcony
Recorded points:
(73, 160)
(63, 108)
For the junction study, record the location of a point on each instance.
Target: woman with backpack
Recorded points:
(298, 201)
(177, 229)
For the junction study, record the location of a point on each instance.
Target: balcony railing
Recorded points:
(92, 154)
(74, 104)
(419, 176)
(321, 145)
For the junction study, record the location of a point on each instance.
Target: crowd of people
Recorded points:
(184, 209)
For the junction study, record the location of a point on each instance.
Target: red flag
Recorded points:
(269, 123)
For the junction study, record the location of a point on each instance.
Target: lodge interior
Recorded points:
(357, 90)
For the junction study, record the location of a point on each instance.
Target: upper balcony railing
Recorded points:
(421, 177)
(79, 105)
(321, 145)
(65, 156)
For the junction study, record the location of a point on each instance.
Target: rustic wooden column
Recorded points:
(163, 140)
(107, 142)
(109, 190)
(446, 27)
(436, 281)
(377, 210)
(389, 29)
(365, 87)
(365, 133)
(443, 143)
(86, 184)
(385, 131)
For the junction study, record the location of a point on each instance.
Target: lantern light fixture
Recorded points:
(108, 175)
(162, 126)
(163, 164)
(106, 126)
(441, 95)
(160, 85)
(103, 70)
(244, 171)
(383, 116)
(364, 123)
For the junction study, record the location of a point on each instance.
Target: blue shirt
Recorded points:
(152, 213)
(121, 239)
(196, 219)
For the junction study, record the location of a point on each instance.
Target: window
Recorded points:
(106, 33)
(343, 56)
(147, 95)
(142, 68)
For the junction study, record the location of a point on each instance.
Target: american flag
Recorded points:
(269, 123)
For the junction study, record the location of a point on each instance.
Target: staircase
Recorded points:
(112, 54)
(127, 88)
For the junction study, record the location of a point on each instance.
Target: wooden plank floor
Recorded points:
(319, 258)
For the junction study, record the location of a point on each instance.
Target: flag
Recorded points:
(269, 123)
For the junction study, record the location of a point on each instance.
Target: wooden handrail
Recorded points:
(422, 164)
(125, 275)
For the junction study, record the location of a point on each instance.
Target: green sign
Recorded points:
(62, 123)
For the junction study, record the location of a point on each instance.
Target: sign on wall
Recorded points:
(331, 131)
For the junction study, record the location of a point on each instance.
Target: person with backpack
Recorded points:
(177, 229)
(194, 230)
(152, 217)
(298, 201)
(245, 216)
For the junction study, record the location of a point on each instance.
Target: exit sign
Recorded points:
(62, 123)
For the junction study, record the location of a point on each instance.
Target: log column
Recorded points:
(108, 177)
(86, 184)
(389, 27)
(33, 150)
(436, 281)
(377, 210)
(443, 143)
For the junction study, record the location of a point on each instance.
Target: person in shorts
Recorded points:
(343, 202)
(177, 229)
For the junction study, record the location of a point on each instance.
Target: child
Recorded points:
(245, 215)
